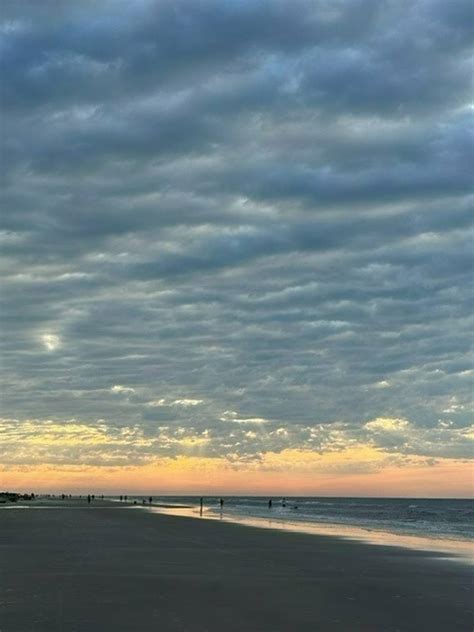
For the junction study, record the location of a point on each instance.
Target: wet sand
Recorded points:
(69, 567)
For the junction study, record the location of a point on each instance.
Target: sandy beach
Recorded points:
(68, 567)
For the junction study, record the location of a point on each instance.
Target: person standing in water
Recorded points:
(201, 502)
(270, 503)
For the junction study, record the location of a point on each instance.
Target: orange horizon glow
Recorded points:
(361, 471)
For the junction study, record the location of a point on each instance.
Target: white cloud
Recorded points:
(154, 403)
(454, 406)
(232, 416)
(51, 341)
(185, 402)
(126, 390)
(387, 424)
(382, 384)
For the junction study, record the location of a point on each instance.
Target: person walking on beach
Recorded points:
(221, 502)
(88, 499)
(201, 502)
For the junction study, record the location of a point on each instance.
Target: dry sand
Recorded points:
(108, 568)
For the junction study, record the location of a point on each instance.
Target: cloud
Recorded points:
(157, 403)
(247, 220)
(177, 402)
(51, 341)
(122, 389)
(382, 384)
(233, 417)
(386, 424)
(186, 402)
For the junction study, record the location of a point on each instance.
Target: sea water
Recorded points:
(437, 518)
(446, 519)
(442, 526)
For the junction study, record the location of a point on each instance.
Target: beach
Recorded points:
(66, 566)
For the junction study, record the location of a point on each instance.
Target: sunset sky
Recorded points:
(237, 249)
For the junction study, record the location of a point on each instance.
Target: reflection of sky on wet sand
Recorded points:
(455, 550)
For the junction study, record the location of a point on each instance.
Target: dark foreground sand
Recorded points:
(106, 568)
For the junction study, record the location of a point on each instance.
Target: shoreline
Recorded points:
(461, 551)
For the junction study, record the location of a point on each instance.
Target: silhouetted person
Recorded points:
(201, 502)
(88, 499)
(270, 503)
(150, 500)
(126, 497)
(221, 502)
(93, 496)
(283, 502)
(121, 498)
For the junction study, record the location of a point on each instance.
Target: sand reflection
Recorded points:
(462, 551)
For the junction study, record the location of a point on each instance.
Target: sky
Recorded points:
(237, 247)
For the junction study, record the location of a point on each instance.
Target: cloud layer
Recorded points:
(233, 228)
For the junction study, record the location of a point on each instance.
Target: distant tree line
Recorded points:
(13, 497)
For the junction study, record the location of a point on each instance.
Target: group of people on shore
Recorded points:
(124, 498)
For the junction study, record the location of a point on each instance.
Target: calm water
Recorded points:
(433, 518)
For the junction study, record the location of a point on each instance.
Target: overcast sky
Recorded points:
(235, 227)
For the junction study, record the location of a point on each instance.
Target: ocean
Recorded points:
(445, 519)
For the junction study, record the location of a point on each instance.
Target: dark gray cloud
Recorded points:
(231, 228)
